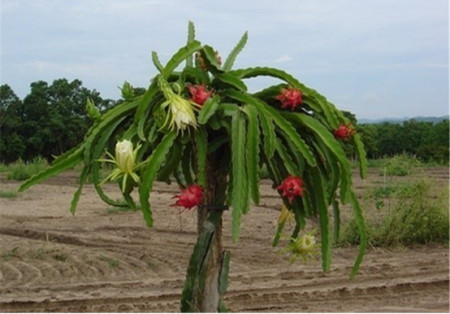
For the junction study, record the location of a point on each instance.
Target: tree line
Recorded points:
(427, 141)
(52, 118)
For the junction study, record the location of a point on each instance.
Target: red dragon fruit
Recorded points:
(291, 187)
(199, 93)
(344, 132)
(290, 98)
(189, 197)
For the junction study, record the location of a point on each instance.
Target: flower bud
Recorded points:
(92, 111)
(125, 157)
(127, 91)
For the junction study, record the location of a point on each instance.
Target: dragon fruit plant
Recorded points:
(199, 125)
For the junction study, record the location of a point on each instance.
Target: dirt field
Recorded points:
(99, 260)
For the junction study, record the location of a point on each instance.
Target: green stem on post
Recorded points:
(206, 278)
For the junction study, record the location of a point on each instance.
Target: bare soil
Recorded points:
(107, 261)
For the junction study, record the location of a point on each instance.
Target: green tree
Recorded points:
(435, 143)
(369, 136)
(50, 120)
(350, 116)
(390, 140)
(11, 143)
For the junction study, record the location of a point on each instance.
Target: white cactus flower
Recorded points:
(307, 243)
(125, 161)
(181, 111)
(304, 246)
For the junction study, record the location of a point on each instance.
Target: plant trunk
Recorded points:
(207, 273)
(211, 297)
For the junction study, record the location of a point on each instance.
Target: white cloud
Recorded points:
(283, 58)
(436, 65)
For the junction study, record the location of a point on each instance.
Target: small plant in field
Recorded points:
(200, 125)
(42, 252)
(21, 170)
(112, 263)
(8, 194)
(61, 257)
(11, 254)
(413, 214)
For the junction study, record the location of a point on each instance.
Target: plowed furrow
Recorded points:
(296, 298)
(288, 298)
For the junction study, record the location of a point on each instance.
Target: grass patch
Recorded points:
(8, 194)
(42, 252)
(21, 170)
(112, 263)
(3, 168)
(11, 254)
(406, 213)
(62, 257)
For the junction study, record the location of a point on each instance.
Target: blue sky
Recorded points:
(376, 58)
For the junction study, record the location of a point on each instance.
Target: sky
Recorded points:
(375, 58)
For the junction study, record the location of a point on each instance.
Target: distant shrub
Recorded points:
(400, 165)
(20, 170)
(3, 168)
(414, 216)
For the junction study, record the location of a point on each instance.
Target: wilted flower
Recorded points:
(189, 197)
(181, 111)
(344, 132)
(285, 215)
(290, 98)
(201, 62)
(291, 187)
(304, 246)
(199, 93)
(125, 161)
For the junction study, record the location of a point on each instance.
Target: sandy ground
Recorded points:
(103, 261)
